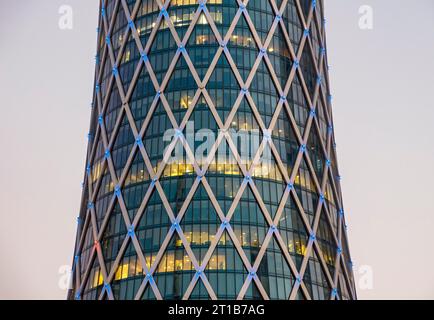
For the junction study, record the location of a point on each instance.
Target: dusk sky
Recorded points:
(382, 90)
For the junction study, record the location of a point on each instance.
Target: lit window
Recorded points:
(185, 102)
(202, 20)
(125, 271)
(97, 279)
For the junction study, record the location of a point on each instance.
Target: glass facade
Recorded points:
(227, 221)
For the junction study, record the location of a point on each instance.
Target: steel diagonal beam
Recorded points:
(105, 141)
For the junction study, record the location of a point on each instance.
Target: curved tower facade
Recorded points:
(211, 166)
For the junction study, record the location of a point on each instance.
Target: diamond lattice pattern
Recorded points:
(270, 227)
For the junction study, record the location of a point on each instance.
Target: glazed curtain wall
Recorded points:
(263, 224)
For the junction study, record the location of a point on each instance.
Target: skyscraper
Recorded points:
(211, 167)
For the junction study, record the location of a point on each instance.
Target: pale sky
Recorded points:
(383, 110)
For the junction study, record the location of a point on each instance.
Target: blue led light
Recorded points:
(296, 64)
(312, 237)
(252, 274)
(117, 190)
(178, 133)
(339, 249)
(278, 17)
(78, 296)
(78, 220)
(100, 119)
(158, 93)
(181, 47)
(144, 57)
(175, 224)
(139, 141)
(312, 112)
(242, 6)
(163, 11)
(154, 180)
(107, 154)
(115, 71)
(290, 186)
(334, 291)
(306, 32)
(103, 11)
(328, 163)
(321, 197)
(303, 148)
(199, 177)
(263, 50)
(88, 169)
(323, 51)
(199, 272)
(330, 129)
(225, 223)
(131, 24)
(283, 98)
(223, 44)
(202, 5)
(298, 279)
(273, 228)
(248, 178)
(131, 231)
(90, 205)
(244, 90)
(341, 212)
(319, 79)
(97, 88)
(107, 40)
(314, 4)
